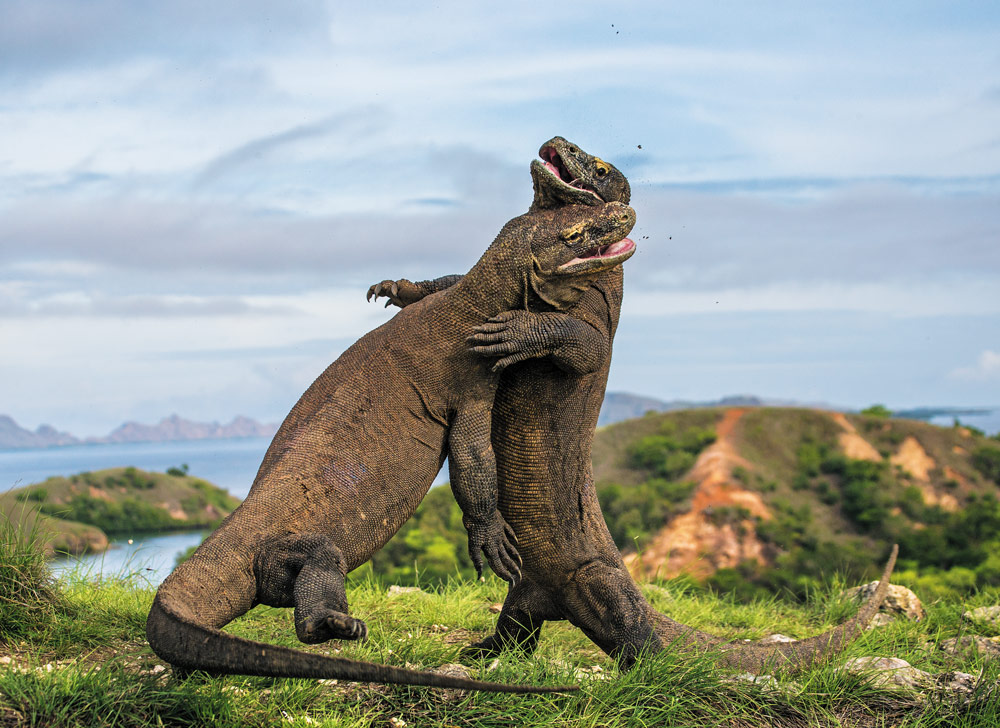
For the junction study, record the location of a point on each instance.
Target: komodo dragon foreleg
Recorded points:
(473, 473)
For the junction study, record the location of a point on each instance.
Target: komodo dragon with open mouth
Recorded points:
(360, 449)
(544, 419)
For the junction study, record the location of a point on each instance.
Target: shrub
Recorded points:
(877, 410)
(986, 459)
(28, 598)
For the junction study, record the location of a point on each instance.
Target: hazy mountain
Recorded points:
(177, 428)
(13, 436)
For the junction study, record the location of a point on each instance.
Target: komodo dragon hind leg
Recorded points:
(608, 607)
(526, 607)
(306, 571)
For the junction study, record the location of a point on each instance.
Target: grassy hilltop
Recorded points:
(76, 514)
(759, 501)
(74, 654)
(772, 499)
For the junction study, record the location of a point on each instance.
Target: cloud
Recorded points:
(986, 368)
(359, 122)
(40, 36)
(77, 304)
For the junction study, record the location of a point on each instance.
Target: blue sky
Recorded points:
(195, 196)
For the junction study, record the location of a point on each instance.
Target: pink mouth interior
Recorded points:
(555, 165)
(604, 251)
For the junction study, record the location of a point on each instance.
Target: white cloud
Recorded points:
(986, 368)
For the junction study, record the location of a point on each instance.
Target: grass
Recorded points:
(74, 654)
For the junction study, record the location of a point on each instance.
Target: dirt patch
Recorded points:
(915, 461)
(697, 542)
(853, 445)
(912, 458)
(96, 492)
(174, 510)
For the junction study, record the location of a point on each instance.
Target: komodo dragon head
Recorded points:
(588, 242)
(567, 175)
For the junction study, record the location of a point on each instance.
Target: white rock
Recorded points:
(888, 671)
(396, 590)
(899, 600)
(990, 615)
(777, 637)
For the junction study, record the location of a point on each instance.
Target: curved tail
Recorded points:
(191, 646)
(756, 657)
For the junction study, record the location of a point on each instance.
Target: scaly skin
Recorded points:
(359, 451)
(544, 419)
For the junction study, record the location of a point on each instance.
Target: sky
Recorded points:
(194, 197)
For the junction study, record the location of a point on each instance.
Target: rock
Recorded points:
(453, 670)
(496, 608)
(594, 672)
(987, 646)
(766, 682)
(771, 638)
(987, 615)
(899, 600)
(880, 620)
(888, 672)
(395, 591)
(956, 682)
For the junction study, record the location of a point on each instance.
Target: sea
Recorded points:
(231, 464)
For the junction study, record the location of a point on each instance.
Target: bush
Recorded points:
(877, 410)
(28, 598)
(986, 459)
(636, 512)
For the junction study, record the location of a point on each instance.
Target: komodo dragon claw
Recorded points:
(399, 293)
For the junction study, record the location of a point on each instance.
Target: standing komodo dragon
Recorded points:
(359, 450)
(544, 418)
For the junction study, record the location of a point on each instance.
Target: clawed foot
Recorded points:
(496, 539)
(400, 293)
(334, 626)
(489, 647)
(512, 335)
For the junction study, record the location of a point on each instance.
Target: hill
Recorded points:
(755, 500)
(76, 514)
(768, 496)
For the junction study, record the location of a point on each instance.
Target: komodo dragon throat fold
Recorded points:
(359, 450)
(544, 417)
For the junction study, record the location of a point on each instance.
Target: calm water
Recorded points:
(230, 464)
(148, 558)
(988, 423)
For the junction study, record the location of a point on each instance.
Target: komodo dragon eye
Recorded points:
(602, 168)
(573, 234)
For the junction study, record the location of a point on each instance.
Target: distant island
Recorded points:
(618, 406)
(169, 429)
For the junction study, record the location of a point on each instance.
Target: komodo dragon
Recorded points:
(544, 418)
(358, 452)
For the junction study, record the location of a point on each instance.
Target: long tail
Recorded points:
(187, 645)
(756, 657)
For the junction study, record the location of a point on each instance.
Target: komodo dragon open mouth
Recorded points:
(605, 256)
(558, 169)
